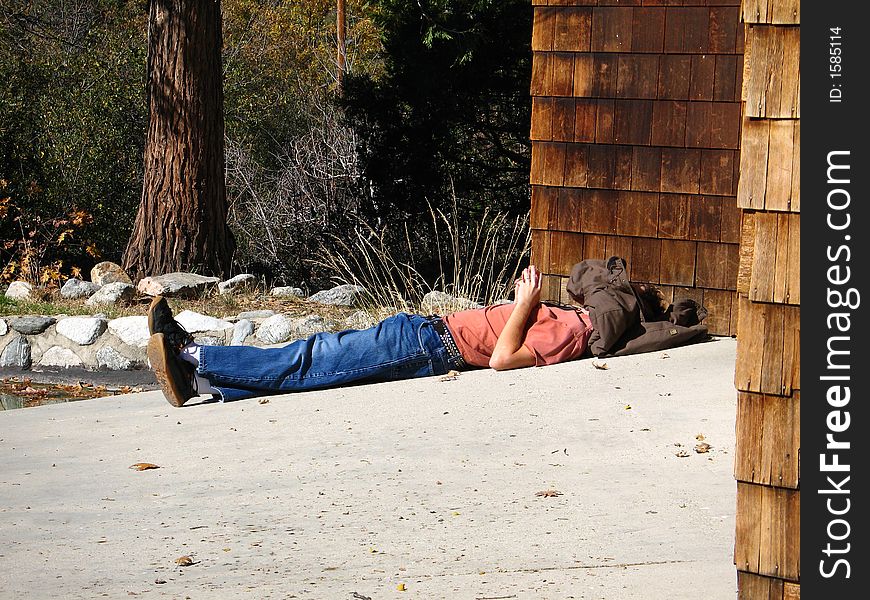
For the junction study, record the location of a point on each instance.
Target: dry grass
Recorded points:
(477, 261)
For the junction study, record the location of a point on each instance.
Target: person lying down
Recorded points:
(524, 333)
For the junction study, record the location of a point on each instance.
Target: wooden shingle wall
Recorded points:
(636, 121)
(767, 375)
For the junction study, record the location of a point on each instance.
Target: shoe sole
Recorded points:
(162, 364)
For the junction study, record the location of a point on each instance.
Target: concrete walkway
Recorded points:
(427, 485)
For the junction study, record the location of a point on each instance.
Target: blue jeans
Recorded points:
(400, 347)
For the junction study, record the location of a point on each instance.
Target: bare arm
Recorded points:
(509, 352)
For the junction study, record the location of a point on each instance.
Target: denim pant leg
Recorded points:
(400, 347)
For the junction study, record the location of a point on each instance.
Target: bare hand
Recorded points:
(527, 289)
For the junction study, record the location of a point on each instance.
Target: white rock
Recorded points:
(311, 324)
(195, 322)
(288, 292)
(19, 290)
(111, 359)
(441, 303)
(82, 330)
(57, 356)
(76, 288)
(4, 328)
(209, 340)
(237, 283)
(176, 284)
(111, 293)
(340, 295)
(359, 320)
(241, 331)
(16, 353)
(256, 314)
(276, 329)
(133, 331)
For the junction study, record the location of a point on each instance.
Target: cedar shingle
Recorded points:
(646, 169)
(648, 30)
(681, 170)
(717, 170)
(669, 123)
(611, 29)
(674, 77)
(702, 77)
(563, 119)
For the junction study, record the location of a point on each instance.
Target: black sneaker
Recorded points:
(160, 320)
(177, 377)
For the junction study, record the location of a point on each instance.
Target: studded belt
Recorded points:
(454, 357)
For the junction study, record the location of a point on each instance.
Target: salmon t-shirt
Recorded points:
(552, 334)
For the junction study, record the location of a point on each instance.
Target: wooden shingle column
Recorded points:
(636, 117)
(767, 376)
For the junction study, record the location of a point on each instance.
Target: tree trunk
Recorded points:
(182, 219)
(341, 50)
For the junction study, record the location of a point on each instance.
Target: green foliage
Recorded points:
(452, 109)
(437, 95)
(279, 57)
(72, 116)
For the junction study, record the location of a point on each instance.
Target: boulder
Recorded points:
(255, 314)
(360, 320)
(76, 288)
(109, 272)
(245, 281)
(57, 356)
(209, 340)
(111, 359)
(311, 324)
(442, 303)
(241, 331)
(16, 353)
(112, 293)
(276, 329)
(31, 325)
(195, 322)
(19, 290)
(176, 284)
(340, 295)
(4, 328)
(133, 331)
(81, 330)
(287, 292)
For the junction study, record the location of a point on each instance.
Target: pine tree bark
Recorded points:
(181, 224)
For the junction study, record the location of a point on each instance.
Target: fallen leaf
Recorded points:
(358, 596)
(449, 376)
(548, 493)
(143, 466)
(401, 587)
(184, 561)
(600, 365)
(628, 407)
(263, 401)
(682, 454)
(665, 355)
(159, 581)
(700, 437)
(702, 447)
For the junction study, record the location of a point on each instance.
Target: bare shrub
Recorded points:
(281, 216)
